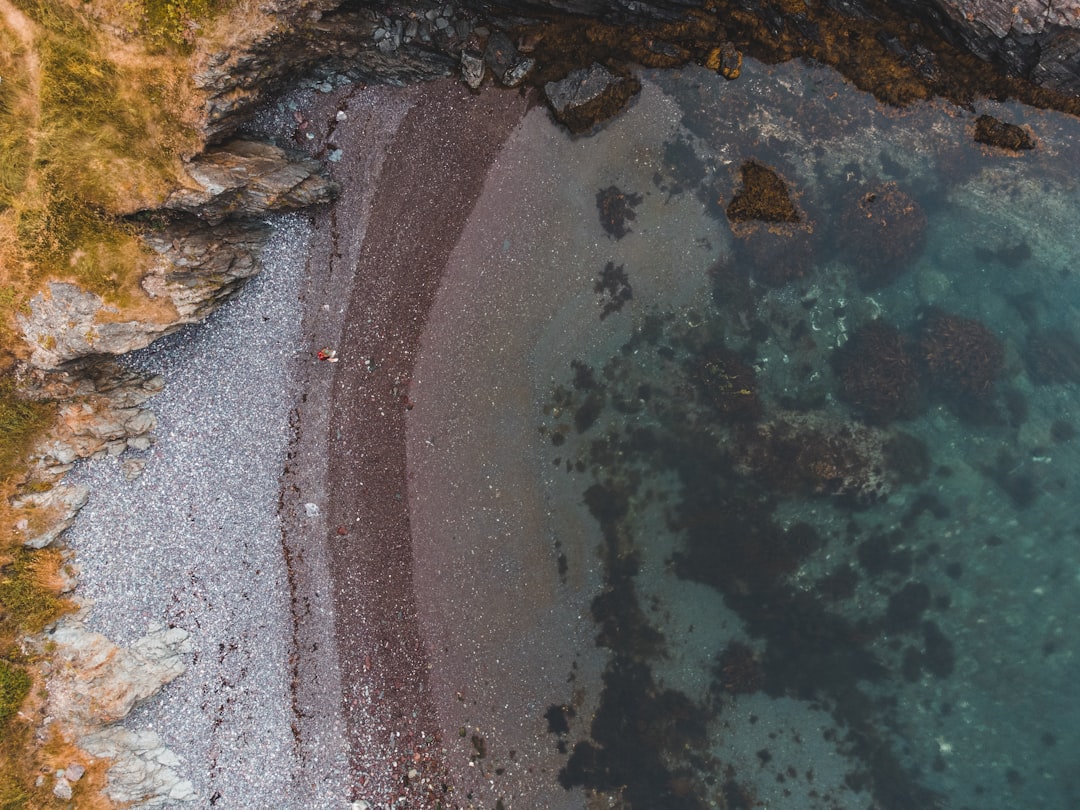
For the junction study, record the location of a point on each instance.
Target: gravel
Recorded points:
(196, 542)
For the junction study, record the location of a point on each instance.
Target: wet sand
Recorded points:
(376, 262)
(506, 551)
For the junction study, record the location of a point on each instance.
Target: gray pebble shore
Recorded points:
(195, 542)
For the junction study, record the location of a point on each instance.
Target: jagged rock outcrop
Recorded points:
(201, 266)
(144, 772)
(246, 179)
(1033, 39)
(198, 263)
(310, 39)
(102, 412)
(93, 684)
(48, 514)
(197, 268)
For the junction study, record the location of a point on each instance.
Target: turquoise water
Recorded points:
(841, 562)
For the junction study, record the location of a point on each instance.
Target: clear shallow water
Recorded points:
(827, 571)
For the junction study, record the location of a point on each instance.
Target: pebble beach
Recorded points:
(234, 530)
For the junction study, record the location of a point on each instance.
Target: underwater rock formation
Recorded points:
(616, 209)
(776, 257)
(882, 231)
(961, 354)
(1052, 357)
(814, 454)
(877, 374)
(729, 385)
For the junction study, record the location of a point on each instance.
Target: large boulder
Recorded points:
(249, 179)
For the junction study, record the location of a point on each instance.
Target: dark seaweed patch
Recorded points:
(616, 208)
(614, 285)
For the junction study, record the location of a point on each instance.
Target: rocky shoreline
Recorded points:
(382, 252)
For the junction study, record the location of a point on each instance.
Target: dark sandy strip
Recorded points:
(433, 171)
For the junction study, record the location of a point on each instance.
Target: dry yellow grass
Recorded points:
(97, 113)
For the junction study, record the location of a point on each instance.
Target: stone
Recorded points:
(74, 772)
(507, 65)
(62, 788)
(50, 513)
(197, 268)
(725, 60)
(589, 96)
(94, 682)
(132, 468)
(249, 179)
(472, 69)
(103, 412)
(992, 132)
(144, 772)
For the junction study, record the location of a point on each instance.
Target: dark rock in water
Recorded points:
(961, 354)
(615, 286)
(763, 196)
(725, 60)
(589, 96)
(1053, 357)
(508, 65)
(815, 454)
(883, 230)
(729, 385)
(877, 374)
(993, 132)
(776, 258)
(616, 209)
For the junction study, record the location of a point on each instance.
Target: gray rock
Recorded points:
(144, 772)
(508, 66)
(197, 268)
(44, 516)
(472, 69)
(74, 772)
(94, 682)
(250, 179)
(589, 96)
(62, 788)
(103, 412)
(132, 468)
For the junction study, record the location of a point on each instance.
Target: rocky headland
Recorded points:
(377, 256)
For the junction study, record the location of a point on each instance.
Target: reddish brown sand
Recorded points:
(434, 167)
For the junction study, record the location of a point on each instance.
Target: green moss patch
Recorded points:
(14, 687)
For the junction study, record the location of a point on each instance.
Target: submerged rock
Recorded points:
(763, 197)
(883, 231)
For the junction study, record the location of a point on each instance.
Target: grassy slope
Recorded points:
(94, 120)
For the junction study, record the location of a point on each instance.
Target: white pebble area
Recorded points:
(195, 542)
